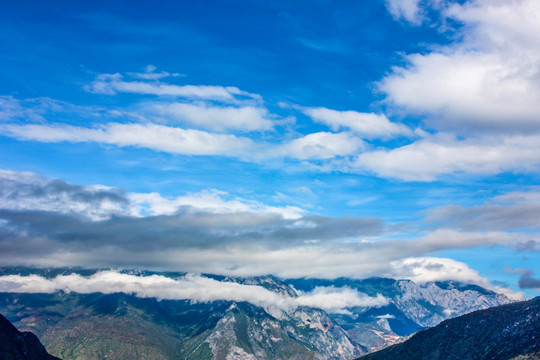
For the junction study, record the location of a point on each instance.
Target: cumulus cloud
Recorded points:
(485, 82)
(368, 125)
(477, 95)
(427, 269)
(189, 287)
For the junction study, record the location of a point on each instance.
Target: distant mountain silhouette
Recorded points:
(17, 345)
(509, 331)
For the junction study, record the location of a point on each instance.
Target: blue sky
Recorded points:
(385, 138)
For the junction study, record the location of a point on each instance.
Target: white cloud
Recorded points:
(427, 269)
(368, 125)
(429, 158)
(321, 145)
(189, 287)
(486, 82)
(151, 74)
(28, 191)
(175, 140)
(316, 259)
(408, 10)
(211, 201)
(10, 108)
(111, 84)
(45, 223)
(335, 300)
(151, 136)
(217, 118)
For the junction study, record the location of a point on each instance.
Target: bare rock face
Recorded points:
(246, 332)
(434, 302)
(16, 345)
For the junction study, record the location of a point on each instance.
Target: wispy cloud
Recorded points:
(321, 145)
(511, 211)
(213, 201)
(216, 118)
(111, 84)
(151, 136)
(151, 74)
(368, 125)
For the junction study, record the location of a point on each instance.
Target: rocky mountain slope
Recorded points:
(510, 331)
(123, 326)
(16, 345)
(410, 306)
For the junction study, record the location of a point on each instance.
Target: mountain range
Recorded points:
(123, 325)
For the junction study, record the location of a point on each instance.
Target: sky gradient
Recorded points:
(396, 138)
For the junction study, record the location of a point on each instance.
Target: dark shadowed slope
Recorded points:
(509, 331)
(16, 345)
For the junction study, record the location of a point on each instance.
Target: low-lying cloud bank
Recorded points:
(190, 287)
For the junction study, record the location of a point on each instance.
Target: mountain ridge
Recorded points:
(509, 331)
(212, 328)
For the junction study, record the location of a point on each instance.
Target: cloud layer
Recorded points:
(53, 223)
(189, 287)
